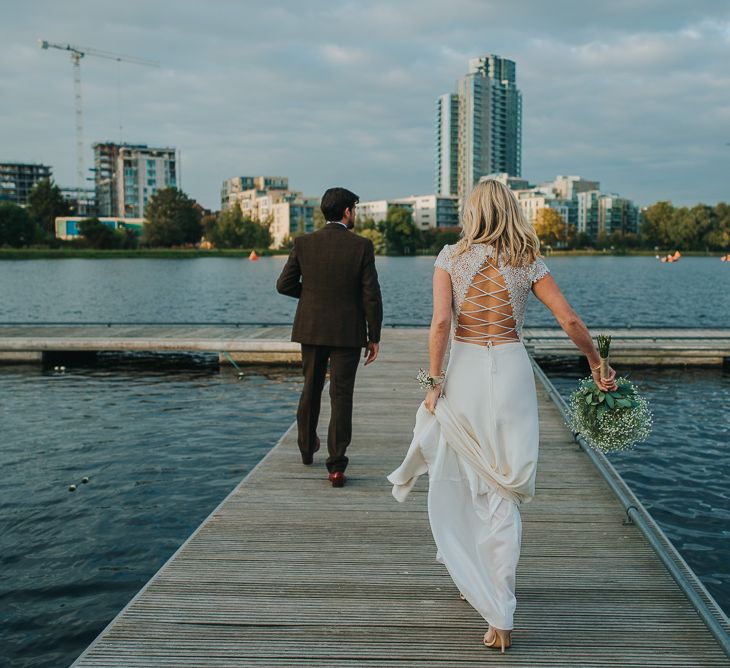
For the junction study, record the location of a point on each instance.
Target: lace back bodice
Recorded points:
(486, 312)
(489, 295)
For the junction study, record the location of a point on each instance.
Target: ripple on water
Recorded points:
(161, 449)
(682, 473)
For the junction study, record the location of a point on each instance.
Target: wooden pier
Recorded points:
(289, 571)
(270, 344)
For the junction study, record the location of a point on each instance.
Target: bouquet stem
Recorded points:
(604, 345)
(604, 368)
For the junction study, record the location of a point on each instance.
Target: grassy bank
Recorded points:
(632, 251)
(161, 253)
(186, 253)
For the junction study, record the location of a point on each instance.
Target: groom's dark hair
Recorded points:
(335, 201)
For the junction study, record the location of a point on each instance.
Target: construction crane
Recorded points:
(77, 53)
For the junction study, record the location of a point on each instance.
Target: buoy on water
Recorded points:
(669, 257)
(253, 256)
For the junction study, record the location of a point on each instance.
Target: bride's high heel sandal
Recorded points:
(504, 638)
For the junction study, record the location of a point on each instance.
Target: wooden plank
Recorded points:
(288, 571)
(272, 344)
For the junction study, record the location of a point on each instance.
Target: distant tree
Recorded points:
(208, 223)
(128, 238)
(45, 203)
(701, 221)
(620, 239)
(319, 221)
(98, 235)
(656, 224)
(552, 229)
(365, 223)
(400, 232)
(16, 227)
(232, 230)
(434, 239)
(300, 226)
(172, 219)
(583, 240)
(718, 238)
(377, 238)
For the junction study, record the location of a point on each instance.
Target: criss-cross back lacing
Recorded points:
(486, 316)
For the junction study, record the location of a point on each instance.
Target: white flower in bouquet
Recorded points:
(609, 421)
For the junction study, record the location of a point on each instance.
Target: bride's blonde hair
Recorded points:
(493, 216)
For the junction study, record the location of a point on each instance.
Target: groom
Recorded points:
(340, 311)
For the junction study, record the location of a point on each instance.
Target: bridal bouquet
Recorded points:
(609, 421)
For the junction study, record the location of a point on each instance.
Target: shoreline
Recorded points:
(192, 253)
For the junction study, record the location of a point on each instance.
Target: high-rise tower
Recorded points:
(447, 144)
(485, 137)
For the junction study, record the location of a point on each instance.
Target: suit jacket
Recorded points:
(332, 273)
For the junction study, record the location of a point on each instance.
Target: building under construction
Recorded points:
(17, 180)
(127, 175)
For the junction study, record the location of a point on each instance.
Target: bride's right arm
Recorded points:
(548, 292)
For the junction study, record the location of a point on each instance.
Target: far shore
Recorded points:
(190, 253)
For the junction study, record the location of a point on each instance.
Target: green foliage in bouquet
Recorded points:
(604, 344)
(610, 421)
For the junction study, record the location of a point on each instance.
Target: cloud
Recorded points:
(634, 94)
(340, 55)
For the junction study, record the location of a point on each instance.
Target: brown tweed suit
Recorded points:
(332, 273)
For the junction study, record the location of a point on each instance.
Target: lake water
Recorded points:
(619, 291)
(163, 440)
(682, 473)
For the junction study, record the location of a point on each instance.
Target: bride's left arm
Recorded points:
(438, 337)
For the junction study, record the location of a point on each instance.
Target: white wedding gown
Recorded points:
(480, 448)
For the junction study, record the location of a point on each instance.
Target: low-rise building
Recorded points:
(81, 203)
(237, 188)
(67, 227)
(291, 218)
(512, 182)
(580, 203)
(18, 178)
(267, 199)
(568, 187)
(588, 212)
(127, 175)
(617, 214)
(432, 210)
(427, 210)
(376, 210)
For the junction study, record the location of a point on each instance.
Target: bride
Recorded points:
(476, 432)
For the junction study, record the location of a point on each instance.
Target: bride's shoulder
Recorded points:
(445, 256)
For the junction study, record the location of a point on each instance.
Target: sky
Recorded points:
(634, 94)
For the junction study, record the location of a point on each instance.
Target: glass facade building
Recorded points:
(17, 180)
(479, 129)
(447, 145)
(128, 175)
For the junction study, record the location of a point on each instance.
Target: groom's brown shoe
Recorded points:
(337, 479)
(308, 459)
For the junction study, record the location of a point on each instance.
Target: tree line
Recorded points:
(173, 220)
(397, 234)
(661, 226)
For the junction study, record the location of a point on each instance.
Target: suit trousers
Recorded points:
(343, 364)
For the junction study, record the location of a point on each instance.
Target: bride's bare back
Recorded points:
(486, 312)
(489, 295)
